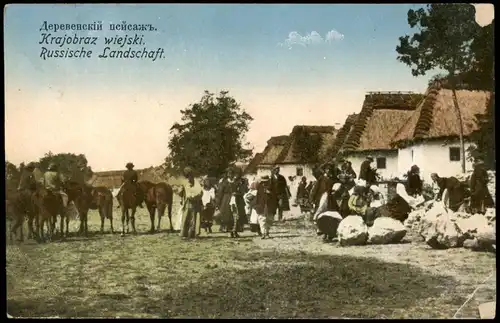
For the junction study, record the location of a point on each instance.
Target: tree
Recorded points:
(67, 163)
(12, 176)
(210, 137)
(446, 32)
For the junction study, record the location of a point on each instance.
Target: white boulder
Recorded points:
(444, 233)
(386, 230)
(352, 231)
(472, 224)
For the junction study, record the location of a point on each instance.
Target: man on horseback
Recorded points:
(27, 182)
(130, 176)
(52, 181)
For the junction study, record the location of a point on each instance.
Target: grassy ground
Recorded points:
(291, 275)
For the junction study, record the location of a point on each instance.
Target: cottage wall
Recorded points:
(391, 157)
(288, 170)
(432, 157)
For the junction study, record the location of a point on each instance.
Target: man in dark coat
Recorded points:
(266, 204)
(279, 184)
(415, 184)
(366, 172)
(480, 196)
(456, 191)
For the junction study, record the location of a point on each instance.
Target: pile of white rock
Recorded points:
(442, 228)
(352, 231)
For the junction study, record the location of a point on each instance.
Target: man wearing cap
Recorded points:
(191, 193)
(480, 195)
(266, 203)
(131, 176)
(366, 172)
(52, 181)
(278, 181)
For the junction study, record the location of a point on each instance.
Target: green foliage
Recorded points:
(67, 163)
(210, 137)
(307, 146)
(444, 40)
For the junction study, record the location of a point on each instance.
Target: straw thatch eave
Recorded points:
(274, 147)
(292, 154)
(435, 118)
(382, 115)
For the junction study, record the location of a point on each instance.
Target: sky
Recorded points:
(285, 64)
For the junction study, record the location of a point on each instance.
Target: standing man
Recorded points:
(366, 172)
(191, 192)
(265, 205)
(279, 184)
(415, 184)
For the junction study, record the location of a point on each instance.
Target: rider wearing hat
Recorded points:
(52, 181)
(27, 180)
(130, 176)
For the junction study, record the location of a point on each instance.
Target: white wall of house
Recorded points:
(391, 162)
(433, 157)
(288, 170)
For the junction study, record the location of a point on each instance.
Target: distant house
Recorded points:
(113, 179)
(110, 179)
(382, 115)
(251, 169)
(270, 154)
(333, 150)
(430, 139)
(305, 148)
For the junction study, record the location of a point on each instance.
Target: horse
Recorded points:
(81, 196)
(102, 200)
(19, 206)
(47, 205)
(129, 198)
(157, 196)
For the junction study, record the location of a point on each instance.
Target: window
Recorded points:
(454, 153)
(381, 163)
(412, 155)
(299, 171)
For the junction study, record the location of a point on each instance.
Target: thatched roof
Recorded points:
(435, 117)
(341, 136)
(252, 166)
(294, 153)
(381, 116)
(273, 149)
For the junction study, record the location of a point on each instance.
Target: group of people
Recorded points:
(233, 202)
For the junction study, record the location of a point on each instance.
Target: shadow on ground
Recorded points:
(267, 284)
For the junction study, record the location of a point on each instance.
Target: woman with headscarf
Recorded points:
(191, 192)
(239, 188)
(327, 216)
(358, 203)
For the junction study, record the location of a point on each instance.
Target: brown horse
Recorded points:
(129, 198)
(102, 200)
(81, 195)
(47, 205)
(157, 197)
(19, 206)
